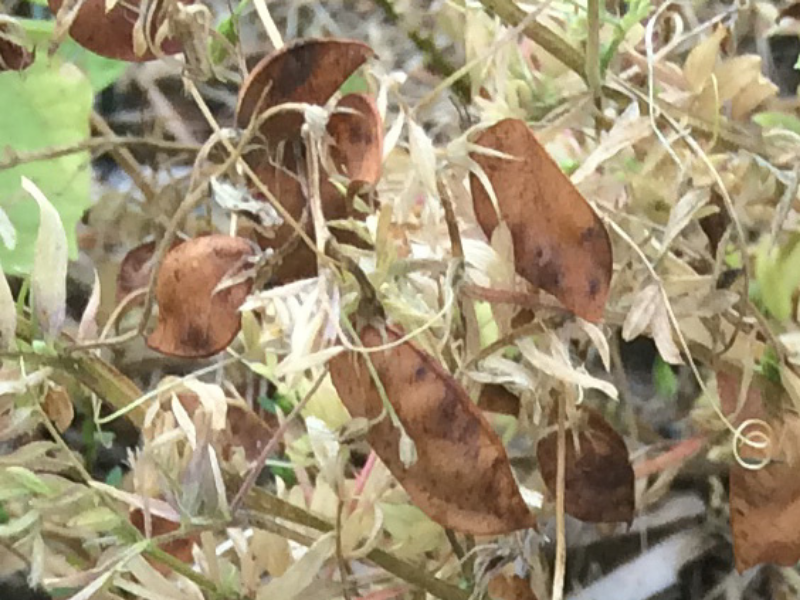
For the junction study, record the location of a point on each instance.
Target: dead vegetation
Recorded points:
(362, 300)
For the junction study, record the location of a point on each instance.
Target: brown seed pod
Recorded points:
(194, 321)
(357, 136)
(560, 244)
(306, 71)
(461, 478)
(598, 474)
(110, 34)
(135, 269)
(13, 55)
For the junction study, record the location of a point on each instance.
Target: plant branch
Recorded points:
(260, 501)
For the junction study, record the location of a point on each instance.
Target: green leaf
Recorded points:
(114, 477)
(778, 120)
(664, 378)
(778, 275)
(47, 105)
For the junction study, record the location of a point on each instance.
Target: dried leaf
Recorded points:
(641, 312)
(462, 478)
(87, 329)
(358, 141)
(57, 405)
(49, 274)
(110, 34)
(8, 315)
(598, 474)
(301, 574)
(307, 71)
(423, 156)
(560, 244)
(195, 319)
(702, 59)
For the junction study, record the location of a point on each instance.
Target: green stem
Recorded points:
(94, 373)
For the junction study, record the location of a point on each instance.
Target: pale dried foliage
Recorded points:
(651, 174)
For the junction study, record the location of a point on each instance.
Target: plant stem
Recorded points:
(593, 76)
(511, 14)
(260, 501)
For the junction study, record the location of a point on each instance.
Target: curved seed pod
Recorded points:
(306, 71)
(357, 136)
(598, 474)
(560, 244)
(110, 34)
(194, 321)
(461, 478)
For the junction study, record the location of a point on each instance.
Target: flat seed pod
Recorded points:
(193, 321)
(560, 244)
(358, 141)
(13, 56)
(764, 505)
(598, 474)
(110, 34)
(461, 478)
(135, 269)
(306, 71)
(300, 261)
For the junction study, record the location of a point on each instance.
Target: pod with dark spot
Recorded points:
(195, 319)
(560, 244)
(598, 474)
(307, 71)
(461, 478)
(110, 34)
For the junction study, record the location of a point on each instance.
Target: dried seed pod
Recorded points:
(195, 319)
(110, 34)
(598, 474)
(14, 56)
(461, 478)
(357, 141)
(560, 244)
(307, 71)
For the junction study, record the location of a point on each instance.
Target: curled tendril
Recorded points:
(759, 438)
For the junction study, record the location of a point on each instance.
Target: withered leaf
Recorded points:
(193, 321)
(110, 34)
(560, 244)
(598, 484)
(462, 478)
(764, 502)
(357, 141)
(57, 405)
(307, 71)
(243, 427)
